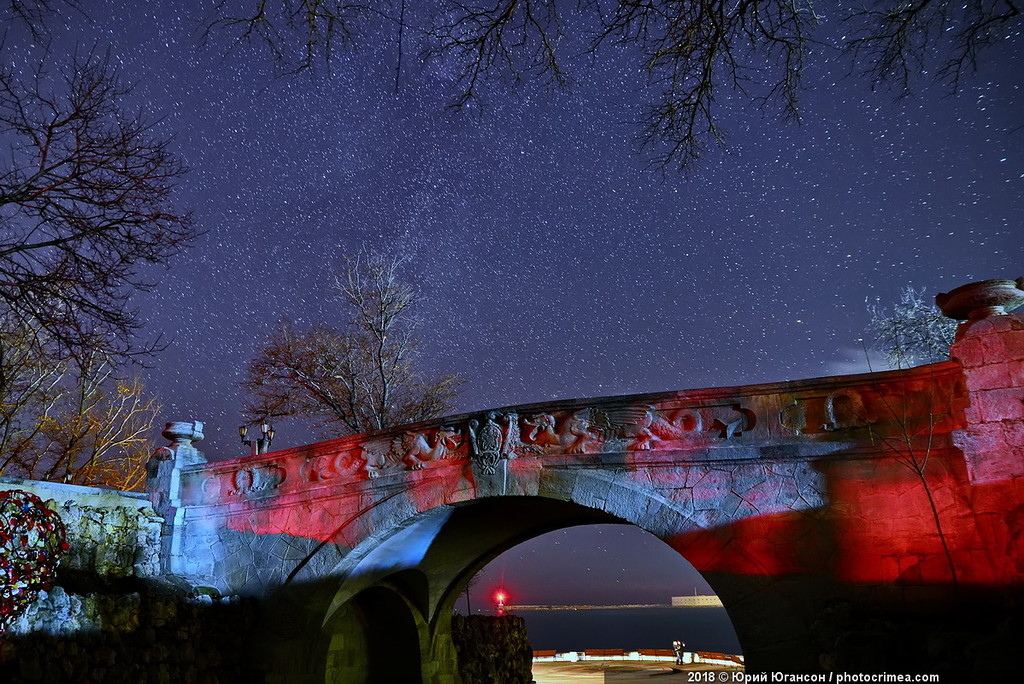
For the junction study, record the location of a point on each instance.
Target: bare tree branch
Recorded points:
(321, 26)
(512, 38)
(33, 14)
(692, 50)
(84, 203)
(896, 40)
(70, 420)
(356, 378)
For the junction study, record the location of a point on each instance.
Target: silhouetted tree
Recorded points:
(897, 40)
(84, 202)
(691, 49)
(359, 377)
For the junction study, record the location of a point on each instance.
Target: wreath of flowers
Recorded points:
(32, 539)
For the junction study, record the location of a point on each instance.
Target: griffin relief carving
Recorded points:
(574, 437)
(418, 448)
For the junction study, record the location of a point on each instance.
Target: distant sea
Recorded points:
(703, 629)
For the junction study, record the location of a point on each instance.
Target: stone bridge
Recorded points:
(859, 522)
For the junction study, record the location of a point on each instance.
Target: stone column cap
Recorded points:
(981, 299)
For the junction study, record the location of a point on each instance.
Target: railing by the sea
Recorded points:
(585, 607)
(643, 654)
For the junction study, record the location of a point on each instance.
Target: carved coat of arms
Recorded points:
(492, 442)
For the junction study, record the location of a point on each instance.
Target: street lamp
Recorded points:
(261, 445)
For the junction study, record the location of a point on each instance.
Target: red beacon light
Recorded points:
(500, 598)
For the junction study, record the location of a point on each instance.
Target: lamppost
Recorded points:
(261, 445)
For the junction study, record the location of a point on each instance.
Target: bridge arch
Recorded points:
(383, 636)
(828, 514)
(428, 557)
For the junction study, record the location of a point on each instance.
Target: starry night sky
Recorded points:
(554, 261)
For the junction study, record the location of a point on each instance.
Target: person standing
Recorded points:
(677, 648)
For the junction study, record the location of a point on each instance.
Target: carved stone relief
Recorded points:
(497, 436)
(742, 420)
(541, 430)
(419, 448)
(628, 425)
(379, 455)
(845, 409)
(639, 427)
(681, 423)
(212, 486)
(257, 479)
(794, 417)
(575, 434)
(492, 441)
(330, 466)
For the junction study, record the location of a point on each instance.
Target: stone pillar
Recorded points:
(164, 487)
(990, 347)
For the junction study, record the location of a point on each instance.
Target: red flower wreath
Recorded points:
(32, 539)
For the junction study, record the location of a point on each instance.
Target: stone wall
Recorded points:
(112, 616)
(492, 649)
(112, 534)
(991, 351)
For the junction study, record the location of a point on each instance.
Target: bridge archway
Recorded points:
(427, 559)
(387, 632)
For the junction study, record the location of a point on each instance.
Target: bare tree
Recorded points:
(314, 374)
(912, 332)
(691, 49)
(113, 438)
(30, 387)
(84, 203)
(356, 378)
(71, 420)
(513, 38)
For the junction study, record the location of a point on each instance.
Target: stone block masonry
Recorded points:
(112, 534)
(492, 649)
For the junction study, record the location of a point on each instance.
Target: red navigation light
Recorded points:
(499, 598)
